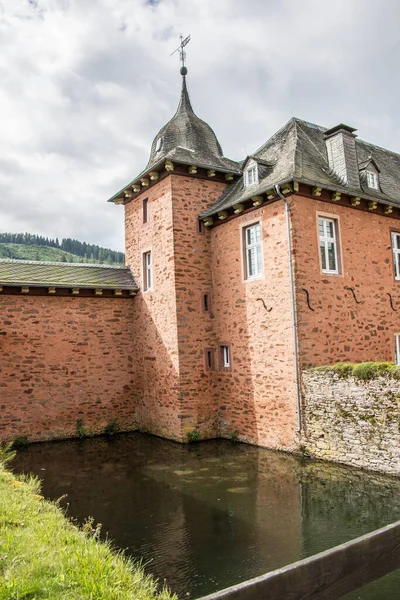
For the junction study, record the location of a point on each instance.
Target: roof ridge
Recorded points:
(291, 120)
(61, 263)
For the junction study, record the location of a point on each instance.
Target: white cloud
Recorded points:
(86, 84)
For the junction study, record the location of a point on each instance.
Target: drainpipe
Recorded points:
(294, 319)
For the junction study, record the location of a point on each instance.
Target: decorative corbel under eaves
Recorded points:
(192, 169)
(169, 165)
(222, 215)
(238, 208)
(144, 181)
(372, 205)
(153, 175)
(316, 191)
(388, 210)
(355, 201)
(128, 193)
(257, 200)
(136, 188)
(208, 221)
(211, 173)
(335, 196)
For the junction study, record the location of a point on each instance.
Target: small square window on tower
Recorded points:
(146, 210)
(209, 359)
(147, 272)
(206, 303)
(225, 361)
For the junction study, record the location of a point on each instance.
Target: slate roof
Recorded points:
(187, 140)
(298, 152)
(66, 275)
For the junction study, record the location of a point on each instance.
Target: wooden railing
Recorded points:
(328, 575)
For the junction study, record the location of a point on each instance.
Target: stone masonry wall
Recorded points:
(257, 397)
(196, 328)
(65, 359)
(338, 328)
(154, 342)
(353, 422)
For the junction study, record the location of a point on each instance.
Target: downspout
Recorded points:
(294, 318)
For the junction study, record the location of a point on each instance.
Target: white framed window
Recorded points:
(328, 245)
(372, 180)
(225, 357)
(397, 348)
(147, 271)
(251, 174)
(252, 251)
(396, 253)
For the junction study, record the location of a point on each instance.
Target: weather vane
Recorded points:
(182, 53)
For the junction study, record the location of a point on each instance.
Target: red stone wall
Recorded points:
(339, 328)
(65, 359)
(257, 398)
(193, 278)
(154, 343)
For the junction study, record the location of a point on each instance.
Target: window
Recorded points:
(159, 144)
(206, 303)
(225, 357)
(147, 272)
(372, 180)
(209, 359)
(397, 348)
(328, 245)
(396, 254)
(146, 211)
(252, 249)
(200, 226)
(251, 174)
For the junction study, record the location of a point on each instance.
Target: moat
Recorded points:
(208, 515)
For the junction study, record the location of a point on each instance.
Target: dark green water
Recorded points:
(212, 514)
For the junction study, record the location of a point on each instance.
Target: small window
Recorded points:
(147, 272)
(200, 226)
(206, 303)
(252, 248)
(251, 174)
(159, 144)
(328, 245)
(209, 359)
(372, 180)
(397, 348)
(225, 357)
(146, 212)
(396, 254)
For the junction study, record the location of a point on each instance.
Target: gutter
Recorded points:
(294, 318)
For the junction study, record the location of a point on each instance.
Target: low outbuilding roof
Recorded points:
(66, 275)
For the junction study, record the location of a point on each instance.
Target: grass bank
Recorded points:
(44, 556)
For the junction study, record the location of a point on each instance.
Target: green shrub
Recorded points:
(364, 371)
(193, 435)
(80, 429)
(20, 442)
(6, 453)
(112, 427)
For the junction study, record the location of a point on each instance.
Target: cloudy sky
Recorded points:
(86, 84)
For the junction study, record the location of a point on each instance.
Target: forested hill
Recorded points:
(29, 246)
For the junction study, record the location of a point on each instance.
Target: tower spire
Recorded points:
(182, 54)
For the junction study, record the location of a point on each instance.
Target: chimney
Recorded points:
(342, 154)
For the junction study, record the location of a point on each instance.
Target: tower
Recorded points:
(168, 250)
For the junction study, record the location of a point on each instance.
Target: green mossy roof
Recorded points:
(66, 275)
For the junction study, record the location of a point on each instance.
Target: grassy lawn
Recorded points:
(44, 556)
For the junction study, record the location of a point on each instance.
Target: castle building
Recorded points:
(239, 276)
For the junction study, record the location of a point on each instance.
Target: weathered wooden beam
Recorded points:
(328, 575)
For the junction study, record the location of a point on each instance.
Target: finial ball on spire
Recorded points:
(184, 71)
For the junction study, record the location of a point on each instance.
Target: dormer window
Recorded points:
(159, 144)
(251, 174)
(372, 180)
